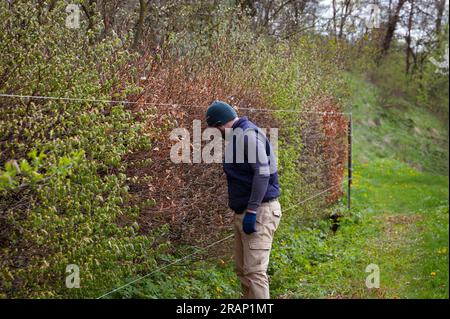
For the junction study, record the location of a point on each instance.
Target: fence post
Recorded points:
(350, 166)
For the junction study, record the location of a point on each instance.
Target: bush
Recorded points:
(69, 194)
(63, 188)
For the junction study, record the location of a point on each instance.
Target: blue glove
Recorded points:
(249, 223)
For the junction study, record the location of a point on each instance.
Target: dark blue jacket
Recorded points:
(250, 181)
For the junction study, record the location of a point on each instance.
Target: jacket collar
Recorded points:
(239, 122)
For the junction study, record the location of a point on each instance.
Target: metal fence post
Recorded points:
(350, 166)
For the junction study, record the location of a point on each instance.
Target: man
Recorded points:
(253, 193)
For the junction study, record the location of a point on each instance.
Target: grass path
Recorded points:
(404, 210)
(401, 226)
(399, 219)
(407, 212)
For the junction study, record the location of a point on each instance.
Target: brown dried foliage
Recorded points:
(323, 158)
(192, 198)
(334, 146)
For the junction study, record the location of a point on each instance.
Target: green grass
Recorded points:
(391, 186)
(199, 279)
(403, 131)
(407, 213)
(399, 218)
(402, 228)
(432, 277)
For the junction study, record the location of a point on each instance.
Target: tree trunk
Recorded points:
(391, 27)
(140, 23)
(334, 19)
(89, 11)
(408, 39)
(440, 9)
(346, 11)
(106, 19)
(88, 8)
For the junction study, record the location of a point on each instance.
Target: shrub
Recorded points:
(63, 187)
(77, 186)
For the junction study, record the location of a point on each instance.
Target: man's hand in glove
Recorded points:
(249, 222)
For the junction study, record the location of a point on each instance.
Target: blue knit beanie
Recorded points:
(219, 113)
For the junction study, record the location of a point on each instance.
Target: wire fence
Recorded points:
(176, 106)
(173, 105)
(210, 245)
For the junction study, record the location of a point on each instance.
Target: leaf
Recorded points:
(25, 166)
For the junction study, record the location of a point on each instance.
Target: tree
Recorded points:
(88, 7)
(140, 23)
(408, 38)
(440, 10)
(394, 17)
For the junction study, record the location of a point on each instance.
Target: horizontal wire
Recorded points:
(165, 266)
(315, 195)
(177, 105)
(71, 99)
(205, 248)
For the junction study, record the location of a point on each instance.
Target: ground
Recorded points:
(409, 245)
(399, 218)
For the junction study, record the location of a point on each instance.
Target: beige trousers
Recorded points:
(251, 252)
